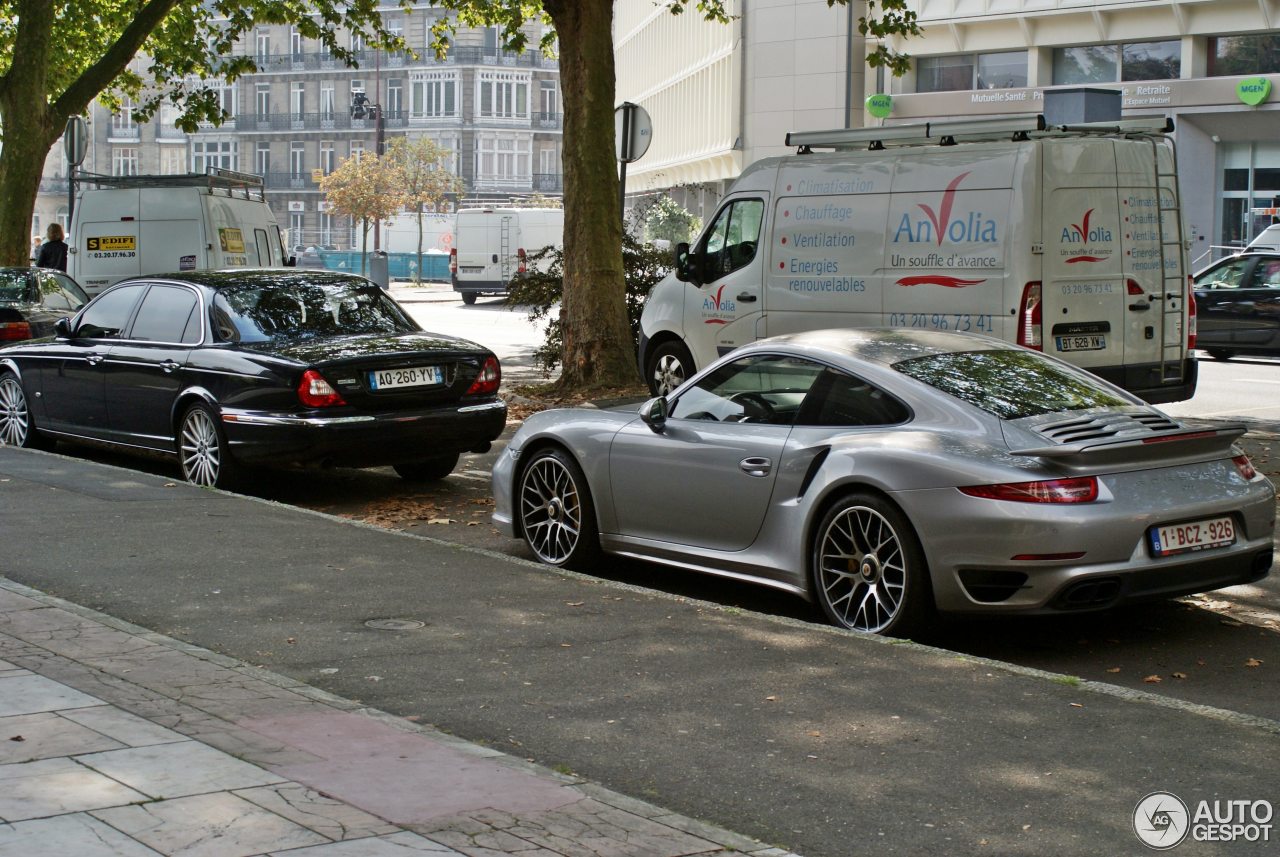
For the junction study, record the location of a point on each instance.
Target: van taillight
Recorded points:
(453, 260)
(1029, 326)
(1191, 315)
(520, 254)
(1133, 289)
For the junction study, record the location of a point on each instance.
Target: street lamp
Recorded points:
(362, 108)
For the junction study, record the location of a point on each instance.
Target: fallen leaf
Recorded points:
(814, 733)
(1153, 679)
(1114, 670)
(1253, 662)
(1231, 624)
(566, 645)
(771, 699)
(1073, 705)
(1179, 675)
(1026, 827)
(575, 603)
(1200, 662)
(167, 484)
(440, 521)
(17, 737)
(291, 640)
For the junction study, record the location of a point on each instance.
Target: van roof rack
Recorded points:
(945, 133)
(214, 177)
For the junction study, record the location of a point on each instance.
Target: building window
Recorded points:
(503, 95)
(169, 114)
(295, 44)
(122, 124)
(357, 150)
(263, 95)
(327, 102)
(262, 44)
(327, 159)
(433, 95)
(1231, 55)
(449, 144)
(173, 160)
(1003, 70)
(124, 161)
(548, 100)
(262, 158)
(297, 99)
(296, 219)
(394, 104)
(1111, 63)
(297, 159)
(213, 153)
(503, 159)
(326, 228)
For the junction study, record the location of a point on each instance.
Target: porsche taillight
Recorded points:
(315, 392)
(487, 382)
(1029, 319)
(1081, 489)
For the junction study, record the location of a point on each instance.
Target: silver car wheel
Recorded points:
(863, 571)
(200, 448)
(14, 419)
(550, 510)
(667, 374)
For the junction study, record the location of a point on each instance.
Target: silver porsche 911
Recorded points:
(886, 474)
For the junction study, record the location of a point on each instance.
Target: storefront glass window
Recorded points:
(1086, 64)
(1151, 61)
(1258, 54)
(944, 74)
(1006, 70)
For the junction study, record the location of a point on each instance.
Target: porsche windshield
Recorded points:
(1011, 384)
(293, 310)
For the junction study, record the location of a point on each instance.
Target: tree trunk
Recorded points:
(598, 350)
(30, 129)
(364, 243)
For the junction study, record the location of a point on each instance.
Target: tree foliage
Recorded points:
(667, 220)
(368, 189)
(418, 167)
(57, 56)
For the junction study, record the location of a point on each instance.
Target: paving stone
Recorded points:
(130, 730)
(175, 770)
(78, 834)
(311, 809)
(589, 828)
(29, 694)
(400, 844)
(54, 786)
(27, 737)
(213, 825)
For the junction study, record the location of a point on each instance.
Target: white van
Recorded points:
(1067, 240)
(129, 226)
(491, 245)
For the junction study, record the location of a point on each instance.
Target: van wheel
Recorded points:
(670, 366)
(1221, 353)
(469, 298)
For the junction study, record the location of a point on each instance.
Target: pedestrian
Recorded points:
(53, 252)
(35, 248)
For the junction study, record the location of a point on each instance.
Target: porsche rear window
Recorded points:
(1011, 383)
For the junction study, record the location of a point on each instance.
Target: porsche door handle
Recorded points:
(756, 466)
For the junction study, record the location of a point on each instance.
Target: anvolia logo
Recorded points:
(972, 227)
(1084, 236)
(718, 304)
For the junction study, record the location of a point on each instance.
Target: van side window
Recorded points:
(732, 239)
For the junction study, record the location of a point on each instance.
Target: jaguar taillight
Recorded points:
(315, 392)
(487, 382)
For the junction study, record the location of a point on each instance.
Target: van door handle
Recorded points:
(747, 297)
(495, 257)
(1139, 307)
(94, 359)
(168, 366)
(756, 466)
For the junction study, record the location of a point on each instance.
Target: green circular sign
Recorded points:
(880, 105)
(1253, 90)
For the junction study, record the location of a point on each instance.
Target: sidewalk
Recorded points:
(119, 741)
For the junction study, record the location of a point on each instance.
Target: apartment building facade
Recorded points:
(292, 122)
(1213, 66)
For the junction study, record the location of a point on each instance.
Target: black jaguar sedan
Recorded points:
(33, 299)
(226, 370)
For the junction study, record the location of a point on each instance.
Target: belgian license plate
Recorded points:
(1192, 536)
(1082, 342)
(417, 376)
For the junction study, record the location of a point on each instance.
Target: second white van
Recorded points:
(1067, 240)
(493, 244)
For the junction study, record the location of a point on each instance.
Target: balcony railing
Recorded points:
(367, 59)
(321, 121)
(290, 181)
(548, 182)
(54, 185)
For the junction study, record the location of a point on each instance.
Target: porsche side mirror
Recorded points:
(62, 328)
(686, 264)
(654, 413)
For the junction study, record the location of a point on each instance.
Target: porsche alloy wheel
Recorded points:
(202, 449)
(869, 570)
(556, 514)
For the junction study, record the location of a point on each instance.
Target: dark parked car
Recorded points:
(33, 299)
(227, 369)
(1238, 306)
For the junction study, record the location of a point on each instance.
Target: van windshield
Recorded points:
(1012, 383)
(291, 310)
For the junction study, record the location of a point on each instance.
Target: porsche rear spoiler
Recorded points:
(1187, 442)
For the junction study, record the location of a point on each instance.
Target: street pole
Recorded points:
(377, 133)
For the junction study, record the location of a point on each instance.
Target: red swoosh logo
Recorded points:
(1083, 229)
(1075, 259)
(938, 280)
(715, 321)
(942, 219)
(719, 291)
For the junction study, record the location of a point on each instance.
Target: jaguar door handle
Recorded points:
(759, 467)
(168, 366)
(94, 359)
